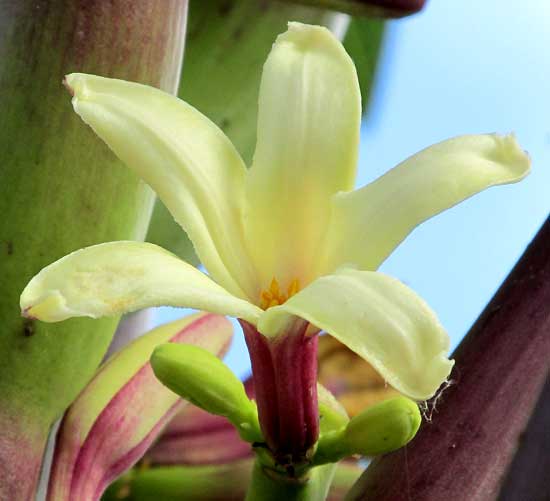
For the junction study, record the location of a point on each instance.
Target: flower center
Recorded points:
(274, 296)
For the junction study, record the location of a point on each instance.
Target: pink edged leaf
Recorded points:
(123, 409)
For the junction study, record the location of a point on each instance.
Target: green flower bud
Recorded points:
(381, 428)
(384, 427)
(204, 380)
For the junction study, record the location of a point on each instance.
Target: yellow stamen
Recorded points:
(273, 295)
(293, 288)
(274, 287)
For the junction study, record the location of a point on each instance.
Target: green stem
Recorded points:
(222, 482)
(226, 482)
(270, 485)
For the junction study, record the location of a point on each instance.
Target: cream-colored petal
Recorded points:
(308, 135)
(380, 319)
(184, 157)
(119, 277)
(367, 224)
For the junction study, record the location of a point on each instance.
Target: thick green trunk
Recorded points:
(62, 189)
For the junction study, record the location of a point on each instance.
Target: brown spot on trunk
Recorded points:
(28, 327)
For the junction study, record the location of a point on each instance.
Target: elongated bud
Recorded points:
(204, 380)
(382, 428)
(122, 410)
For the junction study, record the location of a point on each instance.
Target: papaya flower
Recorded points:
(289, 246)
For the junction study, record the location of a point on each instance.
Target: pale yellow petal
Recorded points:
(380, 319)
(308, 135)
(367, 224)
(184, 157)
(119, 277)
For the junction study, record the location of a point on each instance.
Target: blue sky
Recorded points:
(459, 67)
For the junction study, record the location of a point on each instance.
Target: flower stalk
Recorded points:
(269, 484)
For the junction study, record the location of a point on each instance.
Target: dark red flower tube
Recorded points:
(284, 370)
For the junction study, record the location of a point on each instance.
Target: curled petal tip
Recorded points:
(510, 152)
(75, 83)
(67, 85)
(302, 33)
(26, 313)
(50, 306)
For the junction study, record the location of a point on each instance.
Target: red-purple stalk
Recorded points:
(372, 8)
(284, 371)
